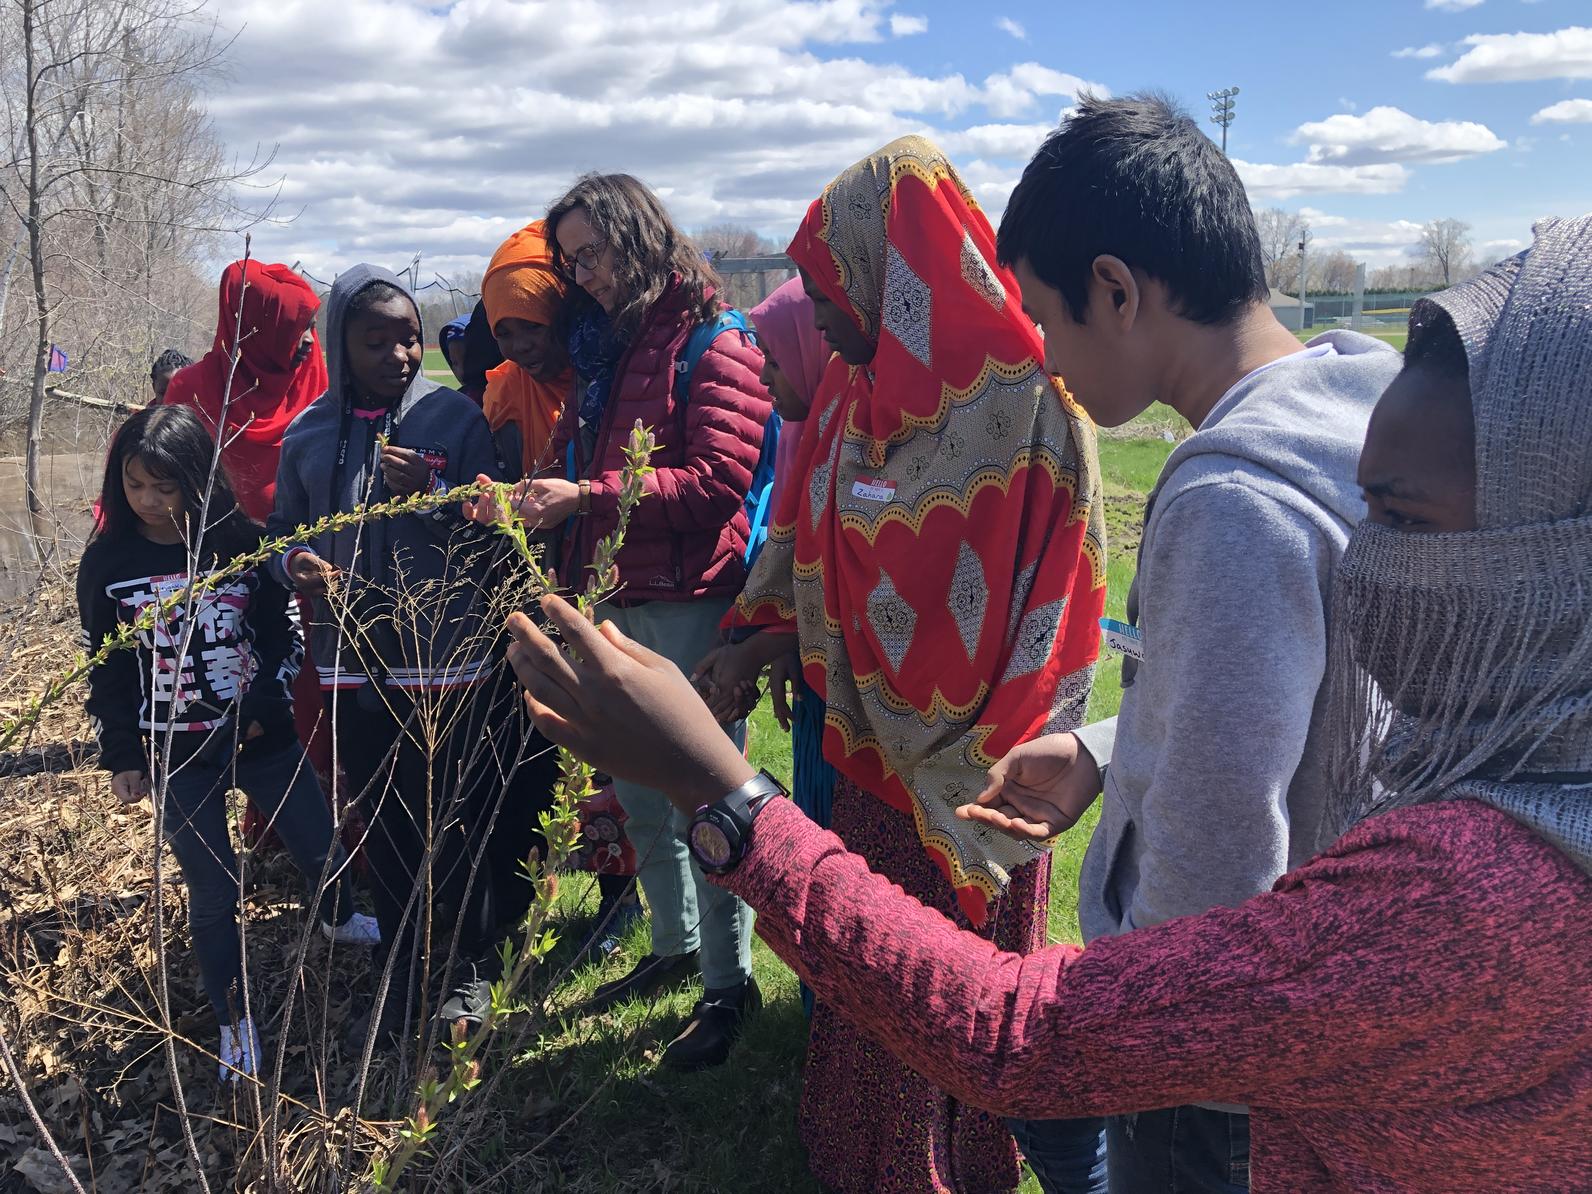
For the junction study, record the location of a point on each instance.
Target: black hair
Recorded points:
(1135, 178)
(173, 445)
(374, 295)
(481, 351)
(1434, 344)
(169, 362)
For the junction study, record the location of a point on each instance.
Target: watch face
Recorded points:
(709, 844)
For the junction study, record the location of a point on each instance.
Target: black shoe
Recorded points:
(707, 1037)
(652, 973)
(471, 997)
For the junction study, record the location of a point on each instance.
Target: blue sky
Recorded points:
(1296, 65)
(403, 126)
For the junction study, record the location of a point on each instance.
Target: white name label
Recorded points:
(873, 489)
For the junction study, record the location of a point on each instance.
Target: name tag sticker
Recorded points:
(873, 489)
(1122, 638)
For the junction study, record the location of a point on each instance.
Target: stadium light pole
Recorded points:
(1222, 109)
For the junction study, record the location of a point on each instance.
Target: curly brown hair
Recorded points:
(649, 251)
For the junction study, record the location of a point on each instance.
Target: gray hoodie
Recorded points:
(1215, 785)
(433, 565)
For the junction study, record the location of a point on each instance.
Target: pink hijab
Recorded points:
(784, 322)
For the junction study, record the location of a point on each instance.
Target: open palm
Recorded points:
(1038, 790)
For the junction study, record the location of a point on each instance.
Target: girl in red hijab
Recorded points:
(267, 315)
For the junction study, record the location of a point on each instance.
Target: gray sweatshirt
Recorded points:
(414, 582)
(1215, 785)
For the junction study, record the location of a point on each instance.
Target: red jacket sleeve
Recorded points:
(1435, 954)
(725, 414)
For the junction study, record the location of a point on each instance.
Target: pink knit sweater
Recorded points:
(1411, 1010)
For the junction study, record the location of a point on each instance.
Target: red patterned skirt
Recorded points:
(870, 1124)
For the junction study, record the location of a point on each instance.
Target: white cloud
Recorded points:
(1386, 134)
(1433, 50)
(1375, 242)
(733, 112)
(1520, 57)
(1570, 111)
(1013, 142)
(1014, 92)
(902, 25)
(1264, 181)
(1453, 5)
(1009, 26)
(1501, 248)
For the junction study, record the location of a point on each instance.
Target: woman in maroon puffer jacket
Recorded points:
(640, 287)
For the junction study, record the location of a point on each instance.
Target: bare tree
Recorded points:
(1446, 246)
(744, 290)
(1280, 234)
(117, 181)
(1333, 273)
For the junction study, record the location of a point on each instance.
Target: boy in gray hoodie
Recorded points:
(1137, 253)
(406, 641)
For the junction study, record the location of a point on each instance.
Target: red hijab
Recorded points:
(942, 556)
(265, 309)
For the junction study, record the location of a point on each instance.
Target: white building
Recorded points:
(1287, 309)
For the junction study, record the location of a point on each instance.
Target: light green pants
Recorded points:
(687, 912)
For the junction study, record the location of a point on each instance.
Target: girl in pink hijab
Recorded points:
(795, 356)
(794, 359)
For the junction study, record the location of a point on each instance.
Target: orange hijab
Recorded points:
(520, 283)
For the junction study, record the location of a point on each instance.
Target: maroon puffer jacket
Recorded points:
(687, 537)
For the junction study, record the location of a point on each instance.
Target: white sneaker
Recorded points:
(358, 929)
(240, 1051)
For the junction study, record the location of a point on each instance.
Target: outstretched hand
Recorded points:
(1038, 790)
(541, 503)
(624, 709)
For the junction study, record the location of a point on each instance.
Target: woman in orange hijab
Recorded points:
(525, 394)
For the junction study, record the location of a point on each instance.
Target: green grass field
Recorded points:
(435, 366)
(1394, 337)
(645, 1128)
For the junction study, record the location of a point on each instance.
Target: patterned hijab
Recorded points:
(1465, 667)
(944, 559)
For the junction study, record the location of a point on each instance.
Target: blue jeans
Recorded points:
(283, 787)
(1179, 1150)
(1068, 1156)
(688, 912)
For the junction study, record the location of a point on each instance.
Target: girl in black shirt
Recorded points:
(204, 702)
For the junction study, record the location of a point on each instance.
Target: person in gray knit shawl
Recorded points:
(1500, 597)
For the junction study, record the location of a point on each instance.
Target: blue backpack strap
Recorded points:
(697, 343)
(759, 497)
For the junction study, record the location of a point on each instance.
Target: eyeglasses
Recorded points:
(587, 257)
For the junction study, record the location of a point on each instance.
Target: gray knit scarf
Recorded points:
(1462, 663)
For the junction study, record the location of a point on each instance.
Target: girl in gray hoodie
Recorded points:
(404, 652)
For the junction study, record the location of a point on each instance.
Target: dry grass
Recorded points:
(82, 968)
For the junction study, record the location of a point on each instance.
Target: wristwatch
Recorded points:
(721, 832)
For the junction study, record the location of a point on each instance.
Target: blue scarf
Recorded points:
(594, 354)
